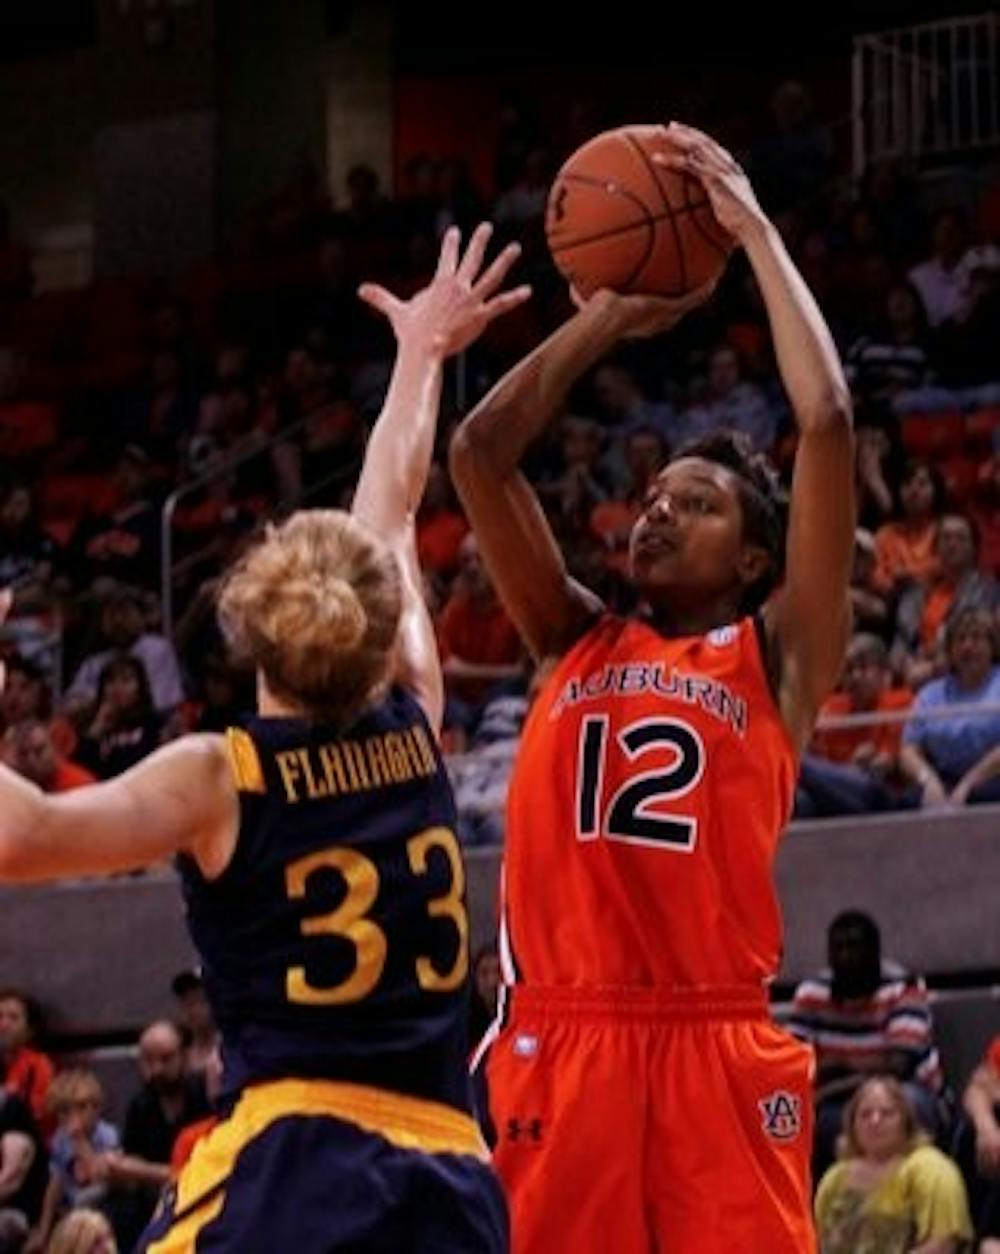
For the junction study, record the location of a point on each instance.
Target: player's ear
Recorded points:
(754, 562)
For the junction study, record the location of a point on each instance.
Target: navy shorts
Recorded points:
(310, 1167)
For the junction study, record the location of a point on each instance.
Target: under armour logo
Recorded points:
(529, 1130)
(781, 1115)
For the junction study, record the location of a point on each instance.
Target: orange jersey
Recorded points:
(653, 780)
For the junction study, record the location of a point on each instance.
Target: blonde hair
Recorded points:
(913, 1134)
(75, 1085)
(79, 1233)
(315, 607)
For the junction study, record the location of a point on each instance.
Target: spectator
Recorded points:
(167, 1102)
(126, 727)
(195, 1017)
(865, 1016)
(986, 515)
(891, 1193)
(582, 483)
(483, 992)
(945, 757)
(26, 695)
(125, 545)
(481, 776)
(27, 554)
(981, 1101)
(27, 1073)
(894, 357)
(83, 1232)
(441, 525)
(729, 402)
(851, 770)
(905, 547)
(124, 629)
(479, 644)
(29, 748)
(942, 280)
(792, 162)
(24, 1170)
(612, 521)
(869, 605)
(956, 585)
(82, 1149)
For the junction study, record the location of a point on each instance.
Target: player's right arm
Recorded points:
(548, 607)
(980, 1100)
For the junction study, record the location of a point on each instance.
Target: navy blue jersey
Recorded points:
(335, 944)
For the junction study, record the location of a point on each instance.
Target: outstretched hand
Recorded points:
(734, 202)
(459, 303)
(640, 317)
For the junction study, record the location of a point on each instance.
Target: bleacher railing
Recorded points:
(926, 91)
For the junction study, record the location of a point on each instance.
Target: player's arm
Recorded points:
(548, 607)
(178, 800)
(443, 319)
(808, 621)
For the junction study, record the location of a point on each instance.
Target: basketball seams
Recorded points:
(643, 156)
(578, 241)
(692, 208)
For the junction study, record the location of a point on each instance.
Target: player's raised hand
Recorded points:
(460, 301)
(640, 317)
(734, 201)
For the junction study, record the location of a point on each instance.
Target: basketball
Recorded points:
(616, 219)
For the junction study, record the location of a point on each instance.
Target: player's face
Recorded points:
(687, 544)
(879, 1126)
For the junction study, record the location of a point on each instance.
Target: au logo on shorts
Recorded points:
(781, 1115)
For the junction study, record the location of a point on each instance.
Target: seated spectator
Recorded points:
(894, 357)
(622, 406)
(852, 770)
(81, 1149)
(612, 520)
(24, 1172)
(865, 1016)
(483, 993)
(194, 1014)
(986, 514)
(577, 481)
(905, 547)
(945, 756)
(166, 1103)
(956, 585)
(729, 402)
(967, 343)
(942, 280)
(481, 776)
(124, 545)
(868, 603)
(891, 1193)
(125, 728)
(27, 554)
(26, 695)
(82, 1232)
(28, 747)
(480, 646)
(123, 627)
(26, 1072)
(441, 525)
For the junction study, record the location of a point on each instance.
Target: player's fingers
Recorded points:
(472, 262)
(379, 298)
(448, 256)
(507, 301)
(491, 279)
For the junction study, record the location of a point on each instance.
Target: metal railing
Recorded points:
(226, 468)
(926, 91)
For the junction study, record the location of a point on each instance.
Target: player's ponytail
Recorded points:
(315, 606)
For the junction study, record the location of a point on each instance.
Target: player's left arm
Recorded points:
(808, 621)
(449, 314)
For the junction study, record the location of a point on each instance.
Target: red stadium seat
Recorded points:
(960, 476)
(982, 431)
(934, 435)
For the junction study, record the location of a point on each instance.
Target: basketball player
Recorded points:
(641, 1096)
(316, 845)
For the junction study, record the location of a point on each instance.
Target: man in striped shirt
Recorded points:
(865, 1016)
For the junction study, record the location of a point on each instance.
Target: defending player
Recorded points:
(323, 879)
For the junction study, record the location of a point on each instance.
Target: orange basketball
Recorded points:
(616, 219)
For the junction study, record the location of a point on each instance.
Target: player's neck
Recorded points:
(674, 620)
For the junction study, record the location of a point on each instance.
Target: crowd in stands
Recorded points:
(250, 386)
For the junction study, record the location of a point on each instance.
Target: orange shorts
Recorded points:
(646, 1122)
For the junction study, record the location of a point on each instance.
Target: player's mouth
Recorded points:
(653, 542)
